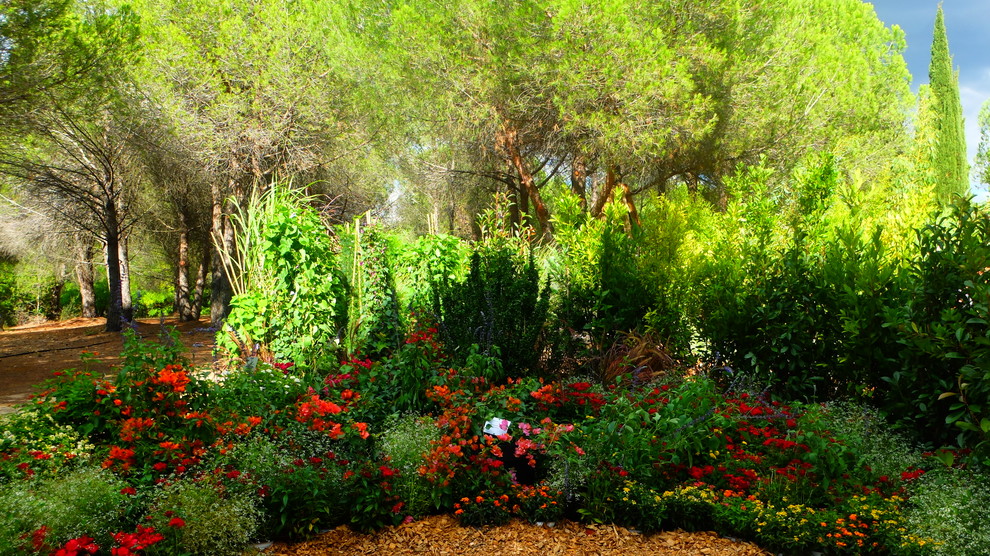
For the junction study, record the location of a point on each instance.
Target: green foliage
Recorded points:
(403, 443)
(141, 355)
(301, 482)
(374, 324)
(53, 51)
(215, 519)
(600, 288)
(262, 392)
(500, 303)
(949, 166)
(804, 308)
(85, 501)
(72, 300)
(159, 303)
(944, 376)
(289, 295)
(8, 295)
(426, 263)
(400, 382)
(982, 161)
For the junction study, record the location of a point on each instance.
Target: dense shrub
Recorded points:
(374, 323)
(944, 366)
(500, 306)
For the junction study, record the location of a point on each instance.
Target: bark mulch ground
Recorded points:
(443, 535)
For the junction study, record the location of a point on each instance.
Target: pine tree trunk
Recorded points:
(115, 312)
(509, 140)
(197, 300)
(183, 304)
(605, 195)
(126, 303)
(220, 289)
(85, 278)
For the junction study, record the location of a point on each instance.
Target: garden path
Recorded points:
(29, 354)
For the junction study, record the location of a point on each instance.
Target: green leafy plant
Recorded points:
(202, 517)
(84, 501)
(289, 294)
(374, 322)
(500, 303)
(943, 325)
(403, 443)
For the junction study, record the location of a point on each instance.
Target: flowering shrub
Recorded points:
(486, 508)
(538, 502)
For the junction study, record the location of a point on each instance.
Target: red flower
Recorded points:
(38, 538)
(386, 471)
(177, 522)
(82, 545)
(160, 466)
(130, 491)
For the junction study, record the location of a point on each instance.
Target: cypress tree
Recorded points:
(948, 158)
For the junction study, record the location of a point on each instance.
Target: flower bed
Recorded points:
(162, 460)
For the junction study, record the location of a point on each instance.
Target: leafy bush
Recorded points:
(8, 295)
(289, 294)
(299, 477)
(85, 501)
(499, 304)
(944, 374)
(425, 264)
(157, 303)
(203, 517)
(599, 287)
(403, 443)
(374, 324)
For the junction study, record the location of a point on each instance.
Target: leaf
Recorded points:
(947, 395)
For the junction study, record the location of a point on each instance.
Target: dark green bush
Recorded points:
(944, 372)
(500, 303)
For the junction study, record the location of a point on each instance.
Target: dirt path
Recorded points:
(29, 355)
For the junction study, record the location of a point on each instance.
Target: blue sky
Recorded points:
(967, 23)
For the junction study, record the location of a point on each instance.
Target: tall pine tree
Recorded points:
(948, 165)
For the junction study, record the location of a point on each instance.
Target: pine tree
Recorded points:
(948, 156)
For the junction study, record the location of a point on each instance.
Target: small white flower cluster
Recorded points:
(951, 506)
(35, 431)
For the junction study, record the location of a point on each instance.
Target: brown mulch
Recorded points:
(444, 535)
(29, 354)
